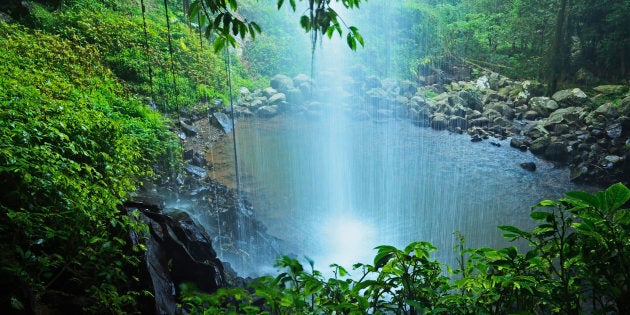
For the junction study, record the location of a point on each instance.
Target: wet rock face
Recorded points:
(177, 252)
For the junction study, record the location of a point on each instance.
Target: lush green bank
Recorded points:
(73, 145)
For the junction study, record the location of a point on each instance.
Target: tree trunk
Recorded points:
(557, 58)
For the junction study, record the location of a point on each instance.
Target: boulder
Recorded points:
(603, 113)
(536, 131)
(543, 105)
(267, 111)
(408, 88)
(518, 143)
(277, 98)
(568, 115)
(222, 121)
(268, 92)
(189, 130)
(539, 146)
(611, 89)
(556, 152)
(177, 252)
(439, 121)
(457, 122)
(624, 107)
(614, 131)
(471, 100)
(294, 96)
(529, 166)
(281, 83)
(570, 98)
(531, 115)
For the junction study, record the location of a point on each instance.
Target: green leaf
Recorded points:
(513, 230)
(351, 41)
(616, 196)
(540, 215)
(384, 254)
(219, 43)
(547, 203)
(305, 22)
(589, 199)
(280, 3)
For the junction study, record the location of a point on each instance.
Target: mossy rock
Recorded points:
(611, 89)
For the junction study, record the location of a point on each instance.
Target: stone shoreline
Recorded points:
(588, 134)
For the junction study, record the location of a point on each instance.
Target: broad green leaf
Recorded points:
(547, 203)
(513, 230)
(616, 196)
(305, 22)
(540, 215)
(219, 43)
(589, 199)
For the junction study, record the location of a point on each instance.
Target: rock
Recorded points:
(567, 115)
(603, 113)
(556, 152)
(570, 98)
(611, 89)
(281, 83)
(476, 138)
(624, 107)
(177, 252)
(277, 98)
(267, 111)
(614, 131)
(612, 159)
(301, 79)
(518, 143)
(439, 121)
(457, 122)
(242, 111)
(529, 166)
(471, 100)
(536, 131)
(539, 146)
(579, 174)
(482, 83)
(502, 109)
(195, 170)
(221, 120)
(294, 96)
(531, 115)
(479, 122)
(189, 130)
(494, 81)
(194, 158)
(268, 92)
(543, 105)
(376, 97)
(258, 102)
(408, 88)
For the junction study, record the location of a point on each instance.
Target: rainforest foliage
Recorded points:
(567, 41)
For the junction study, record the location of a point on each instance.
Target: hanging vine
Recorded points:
(221, 18)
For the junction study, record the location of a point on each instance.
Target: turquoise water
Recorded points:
(334, 188)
